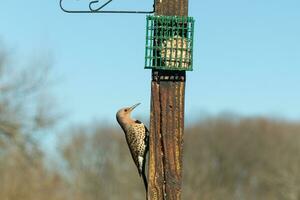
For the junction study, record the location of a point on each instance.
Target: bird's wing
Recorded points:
(137, 138)
(146, 140)
(147, 133)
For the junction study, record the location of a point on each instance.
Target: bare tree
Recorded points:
(24, 108)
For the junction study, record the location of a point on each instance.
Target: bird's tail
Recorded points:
(145, 180)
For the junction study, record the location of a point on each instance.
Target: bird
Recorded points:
(137, 137)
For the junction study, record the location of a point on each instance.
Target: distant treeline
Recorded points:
(224, 159)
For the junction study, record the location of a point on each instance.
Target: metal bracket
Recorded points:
(92, 9)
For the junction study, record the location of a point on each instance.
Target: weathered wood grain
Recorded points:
(166, 135)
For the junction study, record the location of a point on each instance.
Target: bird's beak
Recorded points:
(134, 106)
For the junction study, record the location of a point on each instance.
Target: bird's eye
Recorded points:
(125, 110)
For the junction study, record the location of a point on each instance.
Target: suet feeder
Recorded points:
(169, 43)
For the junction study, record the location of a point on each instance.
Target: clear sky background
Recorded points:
(246, 56)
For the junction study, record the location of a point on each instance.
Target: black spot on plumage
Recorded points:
(138, 122)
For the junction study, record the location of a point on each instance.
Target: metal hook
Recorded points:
(99, 10)
(95, 10)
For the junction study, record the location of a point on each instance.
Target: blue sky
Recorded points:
(246, 56)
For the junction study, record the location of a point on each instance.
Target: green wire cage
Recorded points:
(169, 43)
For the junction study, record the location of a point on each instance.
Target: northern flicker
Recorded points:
(137, 135)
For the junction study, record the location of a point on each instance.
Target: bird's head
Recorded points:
(123, 115)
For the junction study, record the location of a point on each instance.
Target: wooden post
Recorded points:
(167, 121)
